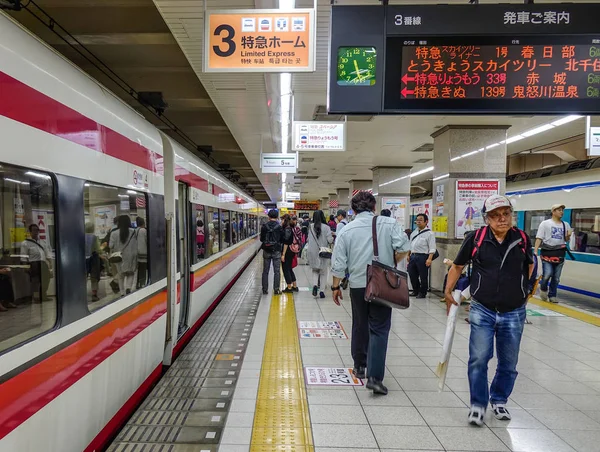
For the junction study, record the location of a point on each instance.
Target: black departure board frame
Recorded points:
(508, 25)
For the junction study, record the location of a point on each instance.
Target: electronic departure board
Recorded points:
(465, 59)
(532, 77)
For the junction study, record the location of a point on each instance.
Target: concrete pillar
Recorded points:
(325, 205)
(463, 153)
(359, 185)
(343, 196)
(392, 188)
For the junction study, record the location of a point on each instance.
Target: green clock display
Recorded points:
(356, 66)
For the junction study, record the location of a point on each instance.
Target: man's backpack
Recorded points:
(480, 237)
(272, 239)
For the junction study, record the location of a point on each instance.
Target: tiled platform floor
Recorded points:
(555, 404)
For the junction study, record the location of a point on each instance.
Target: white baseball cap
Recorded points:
(495, 202)
(557, 206)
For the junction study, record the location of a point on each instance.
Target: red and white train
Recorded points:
(78, 349)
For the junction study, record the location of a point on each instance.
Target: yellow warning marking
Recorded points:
(569, 312)
(224, 357)
(281, 419)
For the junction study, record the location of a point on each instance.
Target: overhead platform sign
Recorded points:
(279, 163)
(464, 59)
(260, 40)
(319, 136)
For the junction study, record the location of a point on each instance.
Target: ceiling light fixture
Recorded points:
(515, 138)
(443, 176)
(566, 120)
(540, 129)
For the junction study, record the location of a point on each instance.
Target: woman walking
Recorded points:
(291, 247)
(319, 252)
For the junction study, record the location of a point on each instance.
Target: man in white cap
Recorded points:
(502, 264)
(553, 236)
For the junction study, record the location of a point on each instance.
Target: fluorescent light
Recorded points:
(14, 181)
(537, 130)
(454, 159)
(123, 196)
(283, 177)
(566, 119)
(443, 176)
(469, 154)
(515, 138)
(39, 175)
(492, 145)
(423, 171)
(131, 192)
(287, 4)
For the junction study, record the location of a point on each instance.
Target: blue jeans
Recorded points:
(550, 271)
(507, 327)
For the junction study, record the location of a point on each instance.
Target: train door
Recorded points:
(183, 255)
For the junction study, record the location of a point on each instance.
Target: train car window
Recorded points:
(116, 243)
(251, 226)
(533, 219)
(235, 229)
(28, 303)
(225, 229)
(586, 234)
(201, 229)
(244, 225)
(213, 231)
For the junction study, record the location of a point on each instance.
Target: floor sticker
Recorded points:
(543, 313)
(316, 333)
(325, 376)
(320, 325)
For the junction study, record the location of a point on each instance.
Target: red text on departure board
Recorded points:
(500, 72)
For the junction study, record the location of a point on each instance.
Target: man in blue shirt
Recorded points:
(354, 251)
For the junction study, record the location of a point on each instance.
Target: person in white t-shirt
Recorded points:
(552, 236)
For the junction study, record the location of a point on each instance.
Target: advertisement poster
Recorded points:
(440, 227)
(323, 376)
(103, 219)
(398, 208)
(470, 196)
(418, 207)
(439, 200)
(318, 136)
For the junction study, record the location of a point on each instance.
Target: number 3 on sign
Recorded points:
(227, 39)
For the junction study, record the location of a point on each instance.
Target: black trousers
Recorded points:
(288, 272)
(370, 331)
(419, 273)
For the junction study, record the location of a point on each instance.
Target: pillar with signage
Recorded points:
(325, 205)
(343, 196)
(359, 185)
(392, 185)
(470, 165)
(333, 205)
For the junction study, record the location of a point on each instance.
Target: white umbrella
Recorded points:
(442, 367)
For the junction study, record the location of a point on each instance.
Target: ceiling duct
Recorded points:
(320, 114)
(427, 147)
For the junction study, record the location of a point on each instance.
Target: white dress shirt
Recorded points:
(423, 244)
(37, 250)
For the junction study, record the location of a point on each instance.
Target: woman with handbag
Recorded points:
(124, 253)
(319, 252)
(291, 247)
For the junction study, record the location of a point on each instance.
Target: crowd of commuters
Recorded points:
(502, 263)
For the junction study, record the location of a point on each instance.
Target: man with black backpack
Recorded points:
(422, 252)
(271, 234)
(502, 265)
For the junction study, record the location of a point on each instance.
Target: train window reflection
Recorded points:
(116, 243)
(586, 234)
(27, 264)
(200, 232)
(225, 229)
(533, 219)
(214, 228)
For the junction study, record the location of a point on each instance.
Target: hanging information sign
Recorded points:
(279, 163)
(260, 40)
(319, 136)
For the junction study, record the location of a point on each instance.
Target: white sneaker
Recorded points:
(553, 300)
(500, 412)
(476, 415)
(544, 295)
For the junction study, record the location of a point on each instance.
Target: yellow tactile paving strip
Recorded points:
(569, 312)
(281, 419)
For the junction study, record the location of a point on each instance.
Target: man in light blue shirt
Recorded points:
(354, 251)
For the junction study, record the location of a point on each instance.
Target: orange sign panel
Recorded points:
(254, 40)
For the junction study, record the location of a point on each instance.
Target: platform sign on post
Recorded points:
(318, 136)
(279, 163)
(594, 141)
(492, 58)
(292, 195)
(259, 40)
(470, 196)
